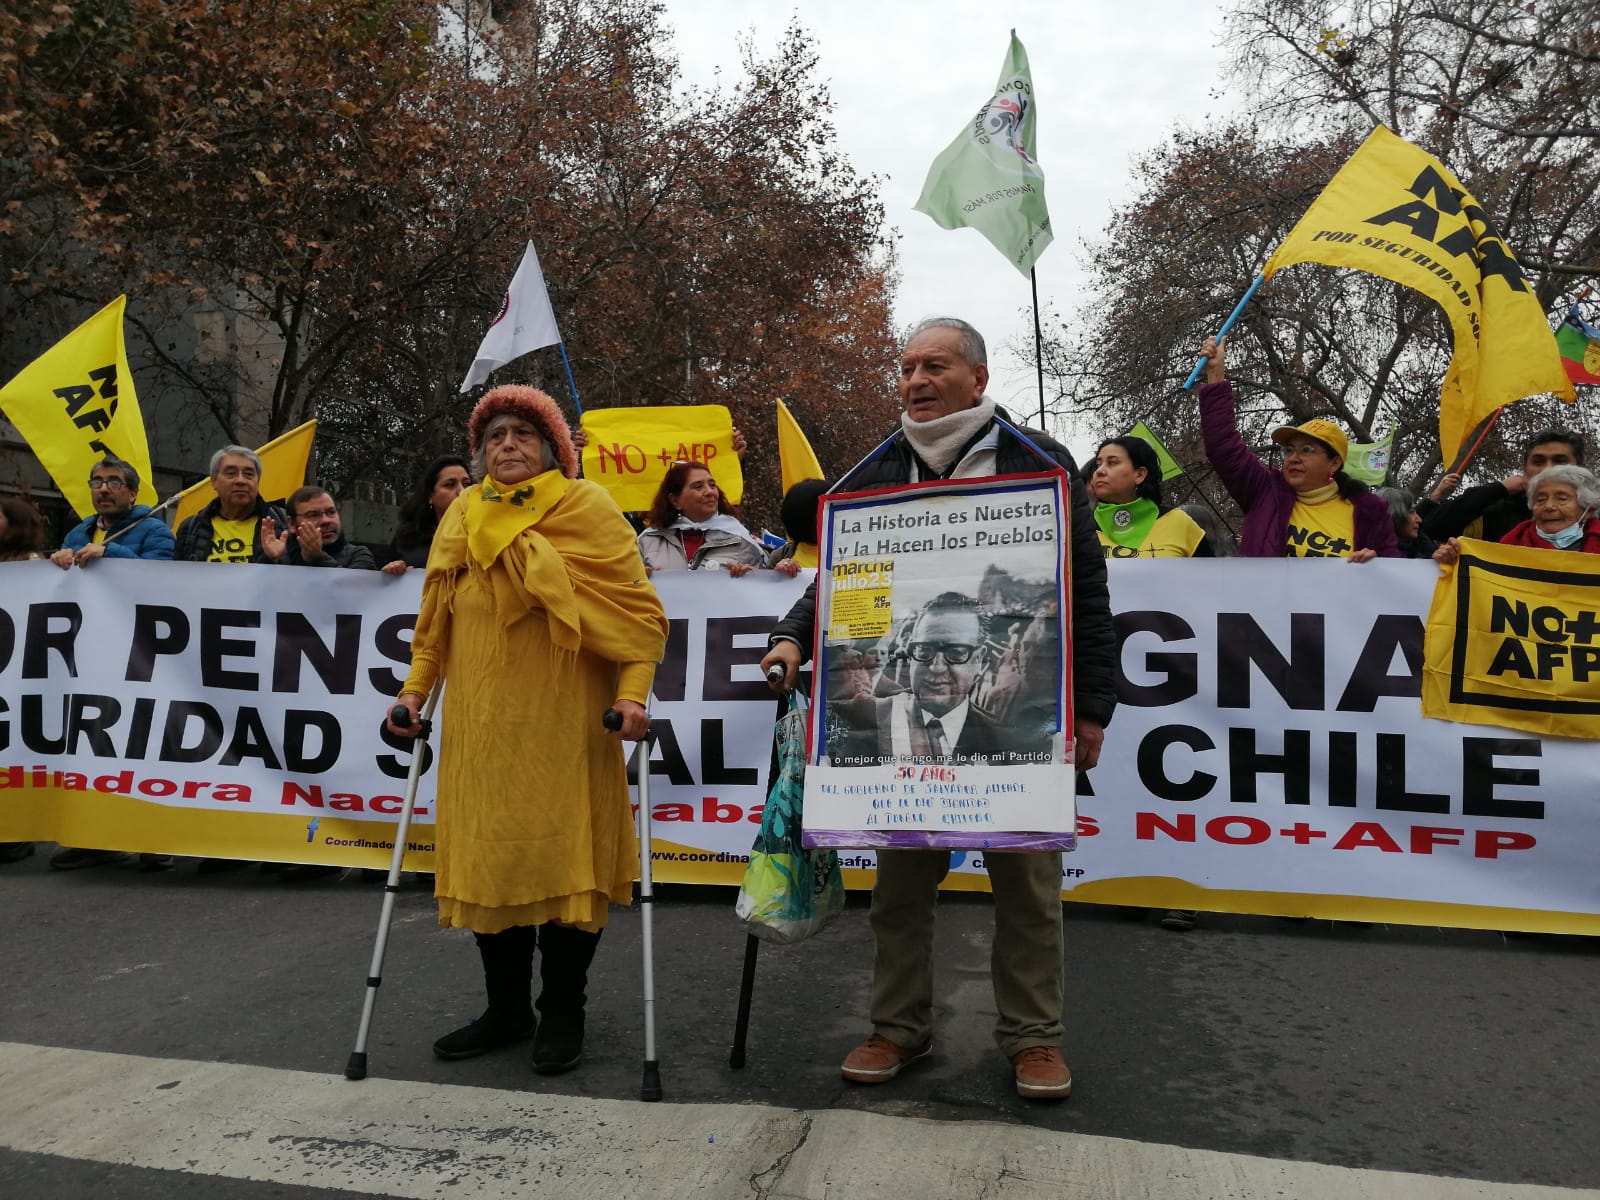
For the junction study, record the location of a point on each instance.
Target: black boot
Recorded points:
(564, 957)
(508, 979)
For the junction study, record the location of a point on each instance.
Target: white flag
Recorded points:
(525, 323)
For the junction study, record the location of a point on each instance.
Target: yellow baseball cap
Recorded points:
(1326, 432)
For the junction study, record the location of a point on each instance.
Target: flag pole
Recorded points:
(114, 534)
(1196, 490)
(576, 403)
(1460, 464)
(1226, 325)
(1038, 342)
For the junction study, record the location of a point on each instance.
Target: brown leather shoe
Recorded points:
(1042, 1074)
(878, 1060)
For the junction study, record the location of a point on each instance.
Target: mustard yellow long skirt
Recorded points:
(534, 819)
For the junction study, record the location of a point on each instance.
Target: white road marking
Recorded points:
(436, 1141)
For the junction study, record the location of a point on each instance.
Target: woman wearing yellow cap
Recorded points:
(1308, 509)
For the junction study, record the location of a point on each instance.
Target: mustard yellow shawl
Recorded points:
(566, 550)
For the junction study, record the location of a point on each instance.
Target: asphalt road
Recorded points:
(1439, 1052)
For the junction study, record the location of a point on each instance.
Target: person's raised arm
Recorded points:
(1245, 476)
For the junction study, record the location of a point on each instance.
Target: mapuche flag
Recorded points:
(1580, 348)
(989, 178)
(1396, 211)
(75, 404)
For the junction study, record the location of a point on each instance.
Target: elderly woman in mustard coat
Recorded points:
(537, 610)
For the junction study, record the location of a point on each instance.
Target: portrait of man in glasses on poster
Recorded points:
(958, 679)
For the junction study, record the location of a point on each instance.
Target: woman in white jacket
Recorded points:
(690, 527)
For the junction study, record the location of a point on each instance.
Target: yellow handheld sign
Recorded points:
(631, 449)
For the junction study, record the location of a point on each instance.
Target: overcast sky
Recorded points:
(1111, 79)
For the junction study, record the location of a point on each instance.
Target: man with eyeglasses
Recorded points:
(935, 718)
(318, 534)
(316, 539)
(119, 528)
(950, 429)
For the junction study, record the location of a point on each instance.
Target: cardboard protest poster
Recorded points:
(941, 709)
(631, 449)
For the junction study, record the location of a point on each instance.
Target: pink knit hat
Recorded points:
(533, 406)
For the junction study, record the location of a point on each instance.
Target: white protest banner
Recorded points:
(1268, 754)
(182, 708)
(940, 709)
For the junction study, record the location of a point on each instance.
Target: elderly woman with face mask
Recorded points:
(1307, 509)
(536, 610)
(1563, 501)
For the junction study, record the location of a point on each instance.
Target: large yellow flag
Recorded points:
(796, 458)
(75, 403)
(1396, 211)
(283, 469)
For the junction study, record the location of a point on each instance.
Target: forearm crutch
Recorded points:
(650, 1087)
(356, 1068)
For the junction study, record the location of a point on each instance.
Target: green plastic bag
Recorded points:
(788, 892)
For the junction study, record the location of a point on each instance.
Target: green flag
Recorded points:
(1369, 461)
(1169, 465)
(989, 178)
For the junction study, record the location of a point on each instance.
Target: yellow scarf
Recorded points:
(497, 512)
(565, 549)
(805, 553)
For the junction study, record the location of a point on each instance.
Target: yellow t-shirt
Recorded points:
(1174, 535)
(98, 536)
(1326, 529)
(233, 541)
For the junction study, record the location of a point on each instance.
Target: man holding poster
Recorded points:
(951, 430)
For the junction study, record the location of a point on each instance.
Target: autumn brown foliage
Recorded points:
(337, 192)
(1502, 92)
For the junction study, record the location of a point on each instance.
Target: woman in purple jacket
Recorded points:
(1308, 509)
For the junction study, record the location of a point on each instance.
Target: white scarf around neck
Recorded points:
(939, 441)
(720, 521)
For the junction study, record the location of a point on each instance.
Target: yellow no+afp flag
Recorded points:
(75, 403)
(1513, 639)
(1396, 211)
